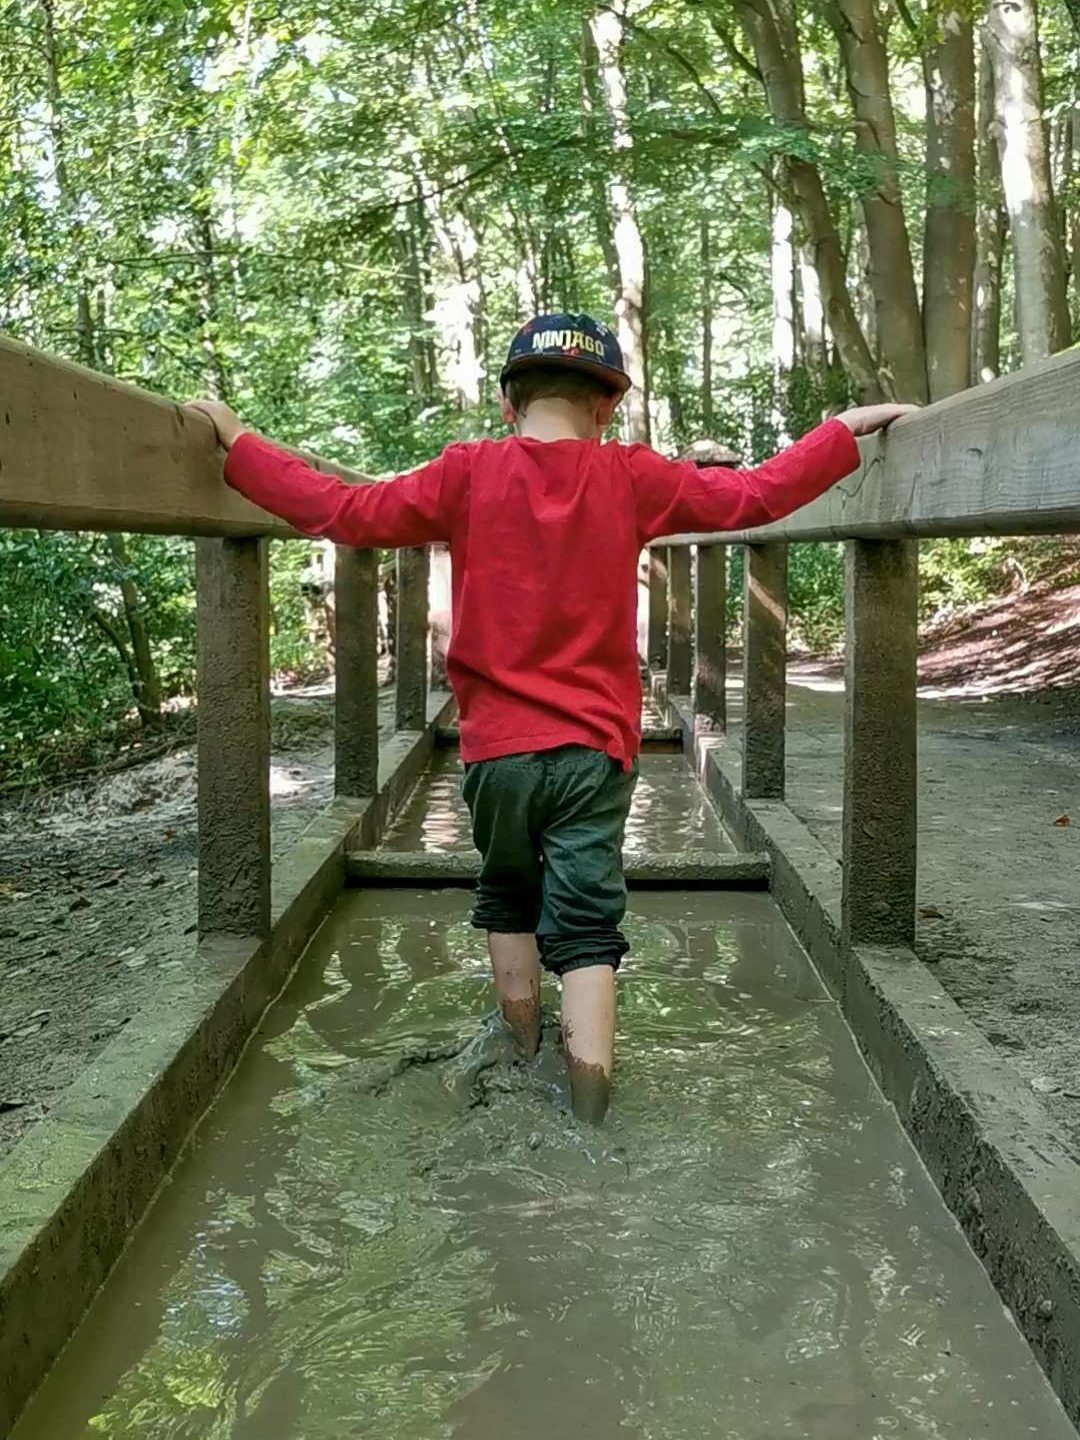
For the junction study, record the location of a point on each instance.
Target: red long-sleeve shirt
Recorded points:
(544, 540)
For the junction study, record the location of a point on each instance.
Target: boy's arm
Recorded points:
(413, 509)
(676, 498)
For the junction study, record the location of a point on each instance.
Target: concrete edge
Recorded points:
(73, 1190)
(1008, 1177)
(690, 869)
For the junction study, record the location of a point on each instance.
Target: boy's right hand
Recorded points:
(865, 419)
(224, 419)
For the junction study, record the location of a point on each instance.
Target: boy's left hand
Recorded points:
(865, 419)
(224, 419)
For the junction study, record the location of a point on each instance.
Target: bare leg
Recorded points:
(515, 966)
(588, 1017)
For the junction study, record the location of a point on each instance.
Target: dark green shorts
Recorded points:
(549, 827)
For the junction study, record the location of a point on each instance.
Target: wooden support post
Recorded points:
(658, 608)
(680, 622)
(764, 666)
(710, 639)
(880, 762)
(234, 737)
(412, 639)
(356, 689)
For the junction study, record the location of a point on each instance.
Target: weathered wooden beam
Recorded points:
(658, 608)
(999, 459)
(685, 870)
(356, 680)
(233, 681)
(411, 647)
(764, 666)
(81, 451)
(680, 621)
(710, 639)
(880, 832)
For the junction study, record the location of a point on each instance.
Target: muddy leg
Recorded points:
(516, 968)
(588, 1016)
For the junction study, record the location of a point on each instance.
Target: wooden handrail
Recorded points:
(82, 451)
(1000, 459)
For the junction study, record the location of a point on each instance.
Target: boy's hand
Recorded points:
(224, 420)
(865, 419)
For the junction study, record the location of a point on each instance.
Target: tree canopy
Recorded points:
(334, 216)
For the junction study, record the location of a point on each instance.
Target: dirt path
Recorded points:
(97, 899)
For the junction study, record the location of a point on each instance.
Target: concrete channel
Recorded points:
(388, 1227)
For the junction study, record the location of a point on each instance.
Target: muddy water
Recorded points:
(670, 811)
(389, 1229)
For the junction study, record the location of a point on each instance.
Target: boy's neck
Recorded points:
(554, 419)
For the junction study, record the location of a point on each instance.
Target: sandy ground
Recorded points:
(97, 899)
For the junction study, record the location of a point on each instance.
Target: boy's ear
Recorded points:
(605, 409)
(507, 411)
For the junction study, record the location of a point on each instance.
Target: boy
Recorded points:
(545, 527)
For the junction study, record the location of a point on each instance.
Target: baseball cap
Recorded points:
(576, 342)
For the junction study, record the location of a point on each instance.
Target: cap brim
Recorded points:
(615, 378)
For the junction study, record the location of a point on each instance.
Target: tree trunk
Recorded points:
(782, 272)
(770, 28)
(1042, 315)
(811, 330)
(457, 311)
(600, 208)
(706, 328)
(145, 682)
(991, 226)
(1070, 210)
(607, 32)
(84, 320)
(138, 658)
(949, 237)
(411, 241)
(209, 307)
(892, 275)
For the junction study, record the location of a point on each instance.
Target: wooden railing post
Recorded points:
(880, 762)
(680, 623)
(233, 678)
(412, 639)
(764, 666)
(710, 639)
(356, 679)
(658, 607)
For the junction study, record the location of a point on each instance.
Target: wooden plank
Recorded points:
(1000, 459)
(710, 640)
(880, 832)
(233, 683)
(81, 451)
(658, 608)
(356, 681)
(680, 622)
(411, 647)
(764, 671)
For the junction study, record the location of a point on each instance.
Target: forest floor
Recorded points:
(97, 897)
(999, 822)
(97, 878)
